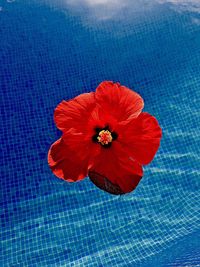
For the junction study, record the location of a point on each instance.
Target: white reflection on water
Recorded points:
(101, 9)
(183, 5)
(115, 9)
(104, 9)
(196, 21)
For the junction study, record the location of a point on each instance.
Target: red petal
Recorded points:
(119, 101)
(81, 144)
(74, 113)
(132, 178)
(141, 138)
(65, 164)
(113, 171)
(100, 119)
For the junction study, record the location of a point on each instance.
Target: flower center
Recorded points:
(104, 137)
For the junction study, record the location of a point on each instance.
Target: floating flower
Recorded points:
(106, 136)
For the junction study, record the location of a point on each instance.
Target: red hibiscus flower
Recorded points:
(106, 136)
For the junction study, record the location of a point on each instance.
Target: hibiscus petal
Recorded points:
(141, 138)
(74, 113)
(65, 164)
(104, 184)
(132, 178)
(81, 144)
(113, 171)
(119, 101)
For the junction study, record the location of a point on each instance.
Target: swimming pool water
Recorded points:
(55, 49)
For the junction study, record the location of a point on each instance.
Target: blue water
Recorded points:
(53, 50)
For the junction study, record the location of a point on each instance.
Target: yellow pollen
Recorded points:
(104, 137)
